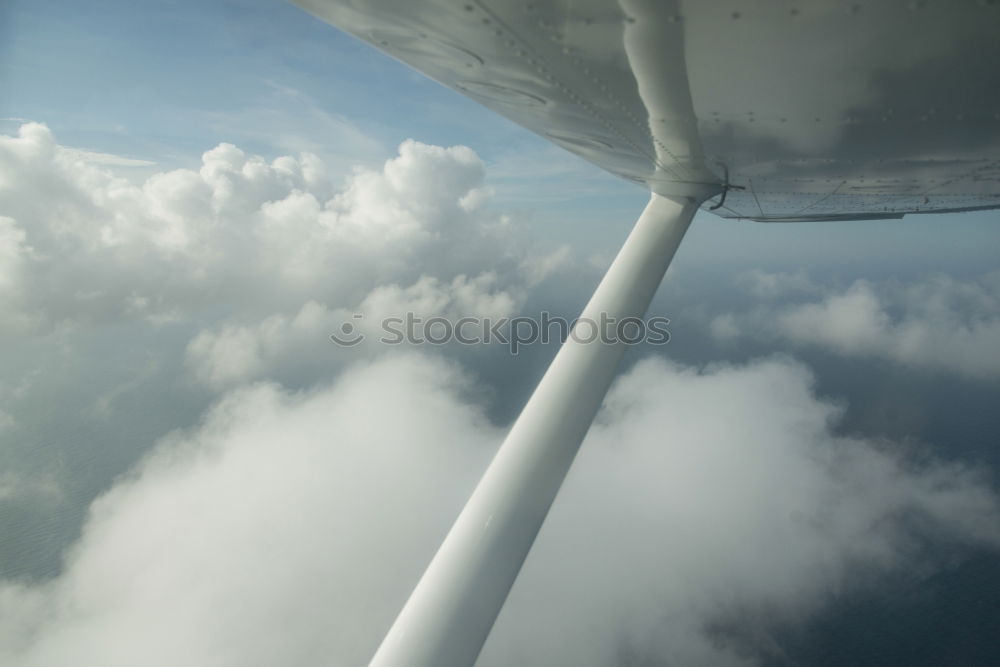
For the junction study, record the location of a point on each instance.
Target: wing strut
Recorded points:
(451, 611)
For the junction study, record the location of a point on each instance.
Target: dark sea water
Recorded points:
(950, 618)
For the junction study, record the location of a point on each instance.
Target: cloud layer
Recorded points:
(287, 528)
(116, 293)
(940, 323)
(239, 234)
(289, 522)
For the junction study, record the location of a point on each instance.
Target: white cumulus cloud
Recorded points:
(288, 527)
(939, 323)
(240, 233)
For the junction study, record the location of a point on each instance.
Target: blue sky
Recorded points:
(170, 401)
(167, 82)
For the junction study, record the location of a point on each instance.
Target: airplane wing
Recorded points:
(771, 110)
(809, 110)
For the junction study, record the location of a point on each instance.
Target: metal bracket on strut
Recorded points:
(726, 187)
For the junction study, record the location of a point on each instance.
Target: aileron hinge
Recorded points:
(726, 187)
